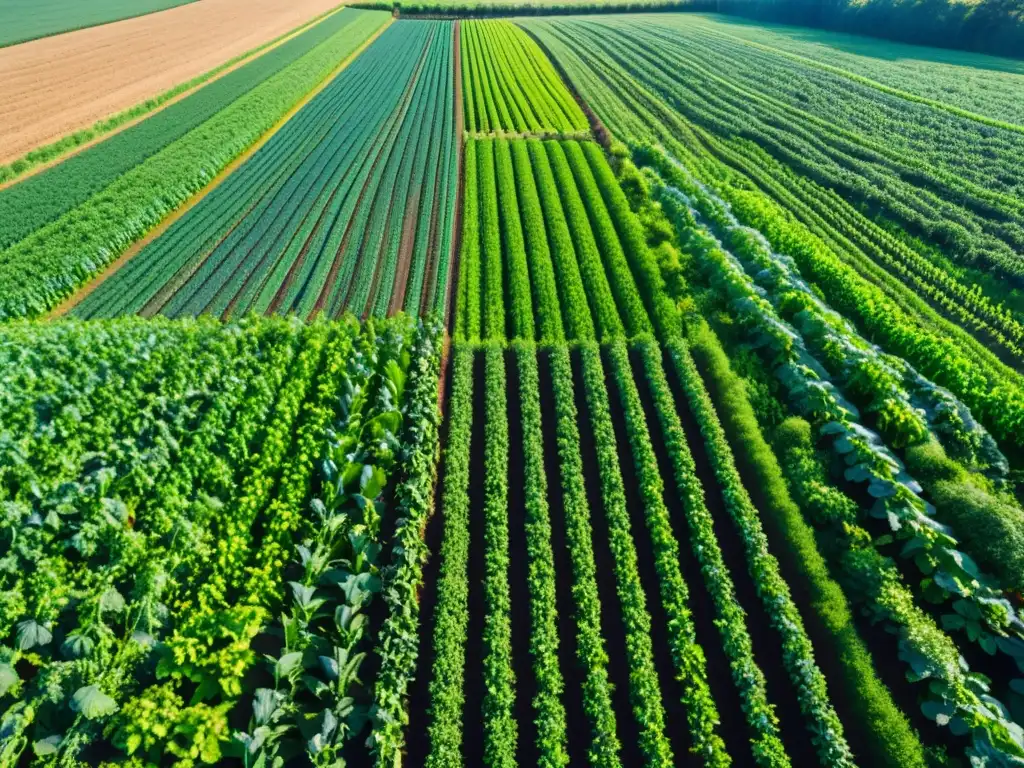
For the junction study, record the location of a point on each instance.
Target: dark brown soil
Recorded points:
(518, 573)
(671, 690)
(733, 728)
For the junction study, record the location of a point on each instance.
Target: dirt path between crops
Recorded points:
(76, 298)
(56, 85)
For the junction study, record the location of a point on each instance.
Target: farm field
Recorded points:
(44, 197)
(23, 20)
(510, 87)
(310, 223)
(86, 74)
(174, 492)
(615, 389)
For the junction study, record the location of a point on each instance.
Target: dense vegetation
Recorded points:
(347, 208)
(215, 523)
(509, 86)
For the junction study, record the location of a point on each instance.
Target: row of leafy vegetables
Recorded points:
(212, 537)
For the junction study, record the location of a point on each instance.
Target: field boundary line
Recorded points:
(78, 296)
(200, 81)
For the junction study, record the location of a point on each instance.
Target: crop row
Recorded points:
(167, 557)
(584, 413)
(536, 207)
(333, 213)
(49, 264)
(509, 86)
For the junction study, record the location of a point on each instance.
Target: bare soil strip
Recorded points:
(56, 85)
(72, 301)
(247, 58)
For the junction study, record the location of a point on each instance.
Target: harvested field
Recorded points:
(56, 85)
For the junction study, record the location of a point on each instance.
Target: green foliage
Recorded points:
(591, 654)
(797, 653)
(510, 86)
(467, 303)
(645, 693)
(886, 728)
(521, 325)
(500, 728)
(551, 721)
(541, 270)
(397, 645)
(452, 611)
(579, 325)
(163, 562)
(691, 670)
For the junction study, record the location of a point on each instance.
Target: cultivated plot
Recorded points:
(510, 87)
(348, 207)
(178, 488)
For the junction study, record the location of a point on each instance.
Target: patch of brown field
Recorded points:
(106, 134)
(76, 298)
(56, 85)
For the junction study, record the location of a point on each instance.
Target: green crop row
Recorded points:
(510, 86)
(451, 618)
(645, 691)
(500, 728)
(551, 721)
(590, 648)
